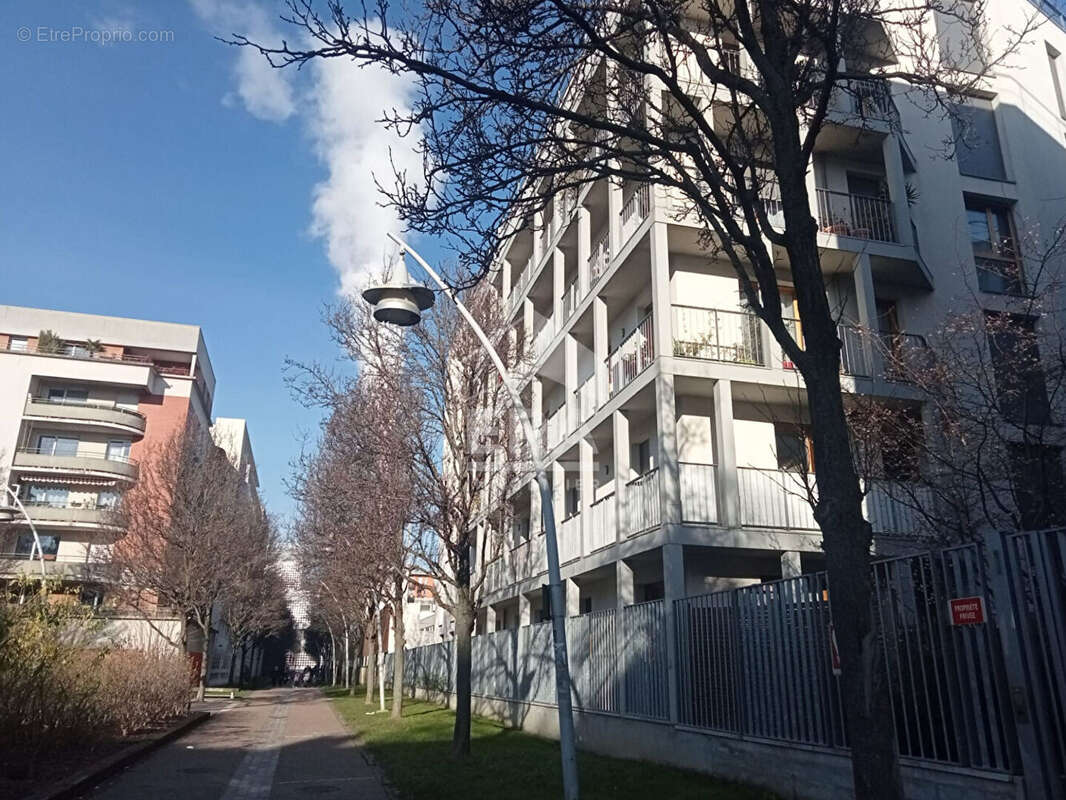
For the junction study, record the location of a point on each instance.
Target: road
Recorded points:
(281, 744)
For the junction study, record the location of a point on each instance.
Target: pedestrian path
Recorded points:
(282, 744)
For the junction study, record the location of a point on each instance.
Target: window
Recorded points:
(1038, 484)
(54, 496)
(793, 448)
(653, 591)
(976, 138)
(1056, 77)
(107, 499)
(26, 547)
(18, 344)
(64, 395)
(521, 530)
(118, 450)
(644, 456)
(572, 501)
(57, 446)
(586, 605)
(1020, 383)
(992, 239)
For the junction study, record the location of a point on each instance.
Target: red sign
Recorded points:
(967, 610)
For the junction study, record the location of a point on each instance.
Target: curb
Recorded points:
(77, 784)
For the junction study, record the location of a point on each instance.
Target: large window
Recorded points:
(67, 395)
(57, 445)
(55, 496)
(118, 450)
(794, 452)
(25, 546)
(992, 238)
(977, 147)
(1020, 384)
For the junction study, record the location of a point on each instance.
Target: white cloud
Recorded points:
(266, 92)
(340, 107)
(347, 212)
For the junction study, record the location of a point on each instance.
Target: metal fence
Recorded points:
(757, 661)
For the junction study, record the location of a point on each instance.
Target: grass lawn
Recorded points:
(414, 752)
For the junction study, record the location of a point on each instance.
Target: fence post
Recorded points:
(1000, 579)
(673, 590)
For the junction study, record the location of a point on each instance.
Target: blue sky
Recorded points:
(185, 181)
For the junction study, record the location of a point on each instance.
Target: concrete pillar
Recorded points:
(558, 286)
(620, 429)
(505, 281)
(600, 338)
(790, 564)
(570, 382)
(666, 457)
(660, 290)
(673, 589)
(584, 249)
(490, 618)
(725, 456)
(897, 189)
(584, 453)
(624, 596)
(866, 303)
(573, 597)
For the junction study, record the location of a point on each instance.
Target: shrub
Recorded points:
(139, 688)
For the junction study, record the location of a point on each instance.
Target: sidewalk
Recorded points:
(281, 744)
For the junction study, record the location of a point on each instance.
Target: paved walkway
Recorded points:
(282, 744)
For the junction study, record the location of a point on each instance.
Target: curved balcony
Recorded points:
(83, 413)
(75, 568)
(84, 463)
(56, 515)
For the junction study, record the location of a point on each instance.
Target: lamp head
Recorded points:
(399, 302)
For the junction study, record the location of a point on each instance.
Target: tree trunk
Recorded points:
(381, 664)
(464, 628)
(399, 642)
(347, 660)
(371, 668)
(202, 683)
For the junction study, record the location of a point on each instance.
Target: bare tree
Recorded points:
(723, 103)
(187, 521)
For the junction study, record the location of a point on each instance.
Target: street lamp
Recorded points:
(401, 302)
(7, 514)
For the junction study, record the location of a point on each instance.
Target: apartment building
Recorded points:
(673, 423)
(82, 399)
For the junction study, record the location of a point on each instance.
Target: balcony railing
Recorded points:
(600, 256)
(604, 523)
(871, 98)
(635, 210)
(774, 498)
(48, 458)
(699, 496)
(856, 215)
(586, 400)
(642, 509)
(543, 337)
(555, 428)
(716, 335)
(631, 357)
(906, 355)
(893, 507)
(571, 297)
(85, 410)
(853, 360)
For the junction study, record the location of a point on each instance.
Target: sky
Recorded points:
(150, 171)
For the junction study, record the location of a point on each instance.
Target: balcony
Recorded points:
(67, 567)
(774, 498)
(699, 494)
(600, 256)
(713, 334)
(543, 338)
(69, 515)
(107, 415)
(570, 538)
(634, 211)
(585, 395)
(631, 357)
(857, 216)
(642, 507)
(604, 522)
(555, 428)
(120, 467)
(853, 359)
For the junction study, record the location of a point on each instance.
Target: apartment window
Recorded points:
(977, 149)
(571, 501)
(644, 457)
(793, 448)
(65, 395)
(586, 605)
(57, 445)
(107, 499)
(18, 344)
(1020, 383)
(992, 238)
(653, 591)
(118, 450)
(520, 530)
(26, 547)
(1055, 65)
(1038, 484)
(55, 496)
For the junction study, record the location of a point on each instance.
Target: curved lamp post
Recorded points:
(401, 302)
(8, 515)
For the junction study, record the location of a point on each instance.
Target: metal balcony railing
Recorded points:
(853, 360)
(635, 210)
(603, 527)
(642, 507)
(631, 357)
(600, 256)
(856, 215)
(717, 335)
(699, 492)
(586, 400)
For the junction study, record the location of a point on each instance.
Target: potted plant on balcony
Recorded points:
(837, 226)
(94, 347)
(49, 342)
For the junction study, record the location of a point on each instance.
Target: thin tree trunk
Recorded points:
(206, 630)
(347, 658)
(464, 628)
(399, 641)
(381, 666)
(371, 668)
